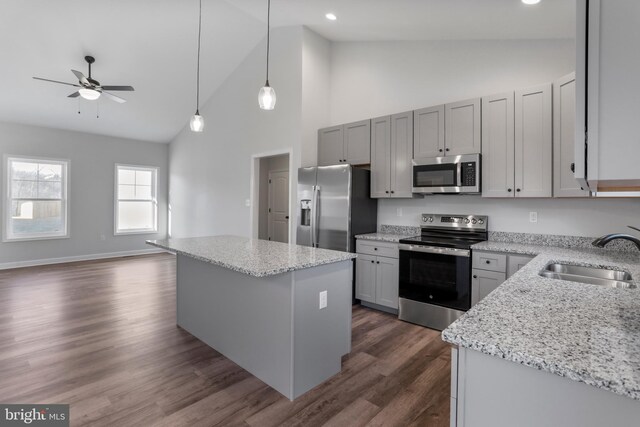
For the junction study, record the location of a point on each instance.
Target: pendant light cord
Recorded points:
(198, 71)
(268, 28)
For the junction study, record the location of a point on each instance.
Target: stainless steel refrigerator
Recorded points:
(334, 205)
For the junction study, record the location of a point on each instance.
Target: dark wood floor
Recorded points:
(101, 336)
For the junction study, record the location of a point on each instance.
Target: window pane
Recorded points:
(36, 217)
(24, 170)
(126, 191)
(143, 177)
(48, 172)
(126, 176)
(49, 190)
(135, 216)
(24, 189)
(143, 192)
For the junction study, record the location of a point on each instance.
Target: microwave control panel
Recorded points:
(468, 177)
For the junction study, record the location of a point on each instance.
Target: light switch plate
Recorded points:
(533, 216)
(323, 300)
(247, 203)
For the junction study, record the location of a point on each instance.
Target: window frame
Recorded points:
(7, 236)
(154, 199)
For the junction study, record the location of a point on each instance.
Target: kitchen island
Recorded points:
(259, 303)
(541, 351)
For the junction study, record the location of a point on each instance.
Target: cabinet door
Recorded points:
(380, 157)
(462, 127)
(515, 263)
(564, 137)
(330, 146)
(533, 142)
(428, 132)
(401, 155)
(387, 282)
(357, 142)
(483, 282)
(366, 278)
(498, 145)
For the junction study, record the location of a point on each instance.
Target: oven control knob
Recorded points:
(424, 218)
(430, 219)
(481, 221)
(466, 220)
(474, 221)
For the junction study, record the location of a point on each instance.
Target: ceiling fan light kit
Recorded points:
(89, 94)
(197, 121)
(267, 95)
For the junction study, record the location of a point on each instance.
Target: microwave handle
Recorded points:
(459, 173)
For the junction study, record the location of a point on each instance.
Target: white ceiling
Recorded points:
(151, 45)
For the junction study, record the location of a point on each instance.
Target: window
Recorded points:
(136, 203)
(36, 191)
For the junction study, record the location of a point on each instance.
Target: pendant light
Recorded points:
(197, 122)
(267, 95)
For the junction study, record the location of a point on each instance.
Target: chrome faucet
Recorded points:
(600, 242)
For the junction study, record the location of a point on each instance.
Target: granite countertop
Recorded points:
(258, 258)
(391, 233)
(584, 332)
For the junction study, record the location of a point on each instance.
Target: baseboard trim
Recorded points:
(62, 260)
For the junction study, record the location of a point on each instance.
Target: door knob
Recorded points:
(286, 217)
(573, 167)
(475, 277)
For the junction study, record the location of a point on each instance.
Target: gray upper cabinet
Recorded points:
(350, 143)
(357, 142)
(401, 154)
(428, 132)
(498, 145)
(330, 146)
(380, 157)
(391, 155)
(462, 127)
(564, 126)
(533, 142)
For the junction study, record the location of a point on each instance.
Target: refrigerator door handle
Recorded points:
(313, 216)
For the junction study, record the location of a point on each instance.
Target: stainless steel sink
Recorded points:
(593, 275)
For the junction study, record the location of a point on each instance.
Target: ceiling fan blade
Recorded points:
(56, 81)
(114, 98)
(81, 77)
(127, 88)
(74, 95)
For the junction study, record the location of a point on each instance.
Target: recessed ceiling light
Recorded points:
(530, 1)
(332, 17)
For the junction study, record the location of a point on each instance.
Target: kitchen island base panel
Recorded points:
(490, 391)
(271, 326)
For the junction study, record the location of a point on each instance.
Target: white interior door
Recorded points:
(279, 206)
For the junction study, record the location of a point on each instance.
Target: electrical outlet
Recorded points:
(323, 300)
(533, 216)
(399, 211)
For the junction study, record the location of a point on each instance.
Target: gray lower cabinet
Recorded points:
(491, 269)
(391, 156)
(349, 143)
(376, 275)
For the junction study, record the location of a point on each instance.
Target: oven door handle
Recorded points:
(435, 250)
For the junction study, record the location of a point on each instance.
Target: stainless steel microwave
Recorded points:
(450, 174)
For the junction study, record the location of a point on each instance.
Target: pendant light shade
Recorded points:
(267, 95)
(197, 121)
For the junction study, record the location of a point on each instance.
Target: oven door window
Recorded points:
(427, 176)
(436, 279)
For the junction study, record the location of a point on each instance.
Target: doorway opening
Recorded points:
(273, 198)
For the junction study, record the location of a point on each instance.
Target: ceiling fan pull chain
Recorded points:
(98, 110)
(78, 105)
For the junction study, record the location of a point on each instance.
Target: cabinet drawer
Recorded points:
(373, 247)
(490, 261)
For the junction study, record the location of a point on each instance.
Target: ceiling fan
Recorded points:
(89, 88)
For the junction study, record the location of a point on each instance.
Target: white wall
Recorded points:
(316, 84)
(211, 172)
(92, 160)
(370, 79)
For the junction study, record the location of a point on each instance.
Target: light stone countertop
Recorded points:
(384, 237)
(583, 332)
(258, 258)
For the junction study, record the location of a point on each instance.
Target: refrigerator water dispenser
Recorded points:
(305, 212)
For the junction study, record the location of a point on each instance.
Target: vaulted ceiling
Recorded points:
(151, 45)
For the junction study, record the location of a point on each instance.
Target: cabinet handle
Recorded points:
(488, 262)
(386, 191)
(375, 249)
(509, 190)
(517, 190)
(573, 167)
(440, 150)
(392, 192)
(372, 261)
(475, 277)
(378, 262)
(446, 149)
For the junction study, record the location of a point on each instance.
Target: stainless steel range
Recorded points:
(435, 269)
